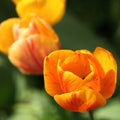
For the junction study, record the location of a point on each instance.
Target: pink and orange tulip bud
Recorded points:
(31, 39)
(80, 81)
(50, 10)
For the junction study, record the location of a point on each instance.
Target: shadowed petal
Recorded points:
(109, 84)
(93, 81)
(69, 82)
(94, 62)
(78, 64)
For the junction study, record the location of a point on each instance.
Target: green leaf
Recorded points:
(74, 34)
(7, 88)
(109, 112)
(38, 107)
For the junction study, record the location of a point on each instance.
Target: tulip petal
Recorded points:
(109, 84)
(109, 66)
(52, 84)
(94, 62)
(80, 101)
(43, 27)
(78, 64)
(37, 25)
(93, 81)
(25, 55)
(35, 48)
(81, 66)
(50, 10)
(6, 34)
(69, 82)
(105, 59)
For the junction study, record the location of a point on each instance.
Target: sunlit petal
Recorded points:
(50, 10)
(105, 59)
(80, 101)
(6, 34)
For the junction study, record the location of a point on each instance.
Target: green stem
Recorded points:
(91, 115)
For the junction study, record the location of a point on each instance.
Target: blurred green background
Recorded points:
(86, 25)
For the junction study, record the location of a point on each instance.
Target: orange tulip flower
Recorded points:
(50, 10)
(27, 42)
(79, 80)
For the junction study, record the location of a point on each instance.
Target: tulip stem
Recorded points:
(91, 115)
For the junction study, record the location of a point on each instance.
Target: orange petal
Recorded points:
(78, 64)
(44, 28)
(6, 34)
(93, 80)
(109, 84)
(52, 84)
(50, 10)
(80, 101)
(94, 63)
(109, 66)
(105, 59)
(83, 63)
(69, 82)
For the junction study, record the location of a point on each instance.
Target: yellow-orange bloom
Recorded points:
(50, 10)
(27, 42)
(80, 80)
(6, 34)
